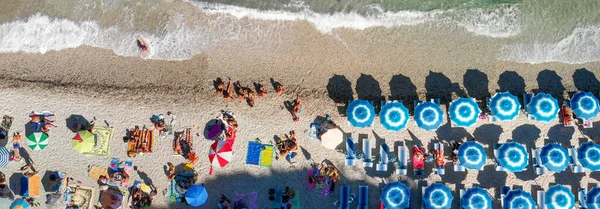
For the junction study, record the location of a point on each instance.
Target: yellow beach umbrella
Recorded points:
(83, 141)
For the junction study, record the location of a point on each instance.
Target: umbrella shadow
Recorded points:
(488, 134)
(403, 89)
(368, 88)
(568, 178)
(512, 82)
(447, 133)
(586, 80)
(439, 86)
(527, 135)
(339, 89)
(490, 178)
(551, 83)
(476, 83)
(74, 121)
(561, 135)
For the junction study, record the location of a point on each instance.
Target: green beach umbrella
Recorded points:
(83, 141)
(37, 140)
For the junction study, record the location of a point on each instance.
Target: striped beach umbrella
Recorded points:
(476, 198)
(554, 157)
(20, 204)
(543, 107)
(585, 105)
(83, 141)
(220, 154)
(592, 201)
(588, 155)
(559, 197)
(37, 140)
(429, 116)
(518, 199)
(513, 157)
(360, 113)
(464, 112)
(505, 106)
(395, 195)
(472, 155)
(437, 196)
(394, 116)
(4, 157)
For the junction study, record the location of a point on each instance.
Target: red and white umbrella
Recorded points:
(220, 154)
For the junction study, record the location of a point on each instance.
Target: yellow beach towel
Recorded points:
(266, 155)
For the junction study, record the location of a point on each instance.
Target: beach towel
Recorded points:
(251, 198)
(254, 151)
(114, 165)
(173, 194)
(83, 196)
(31, 187)
(128, 168)
(266, 155)
(310, 173)
(103, 137)
(95, 172)
(313, 131)
(277, 203)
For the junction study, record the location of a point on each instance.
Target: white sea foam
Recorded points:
(581, 46)
(493, 22)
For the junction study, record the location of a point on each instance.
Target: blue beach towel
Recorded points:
(253, 156)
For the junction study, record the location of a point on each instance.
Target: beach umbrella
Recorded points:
(394, 116)
(83, 141)
(464, 112)
(585, 105)
(437, 196)
(429, 116)
(559, 197)
(37, 140)
(554, 157)
(505, 106)
(592, 201)
(472, 155)
(20, 204)
(588, 155)
(4, 157)
(476, 198)
(332, 138)
(518, 199)
(543, 107)
(360, 113)
(196, 195)
(220, 154)
(395, 195)
(513, 157)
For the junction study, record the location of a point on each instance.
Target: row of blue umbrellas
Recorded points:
(397, 195)
(464, 112)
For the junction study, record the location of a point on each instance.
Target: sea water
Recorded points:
(532, 31)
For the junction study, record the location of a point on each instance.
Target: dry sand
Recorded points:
(127, 91)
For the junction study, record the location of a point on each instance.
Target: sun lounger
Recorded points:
(537, 162)
(567, 114)
(490, 117)
(384, 150)
(350, 149)
(461, 192)
(313, 131)
(541, 199)
(344, 197)
(503, 191)
(440, 170)
(582, 197)
(573, 162)
(587, 123)
(459, 168)
(526, 100)
(366, 148)
(498, 165)
(402, 160)
(363, 197)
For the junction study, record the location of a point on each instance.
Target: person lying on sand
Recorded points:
(239, 90)
(171, 173)
(288, 145)
(439, 157)
(250, 97)
(220, 87)
(261, 90)
(454, 154)
(28, 170)
(143, 46)
(228, 94)
(297, 109)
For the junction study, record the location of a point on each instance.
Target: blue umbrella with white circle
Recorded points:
(554, 157)
(395, 195)
(394, 116)
(585, 105)
(513, 157)
(476, 198)
(588, 155)
(472, 155)
(505, 106)
(543, 107)
(429, 116)
(464, 112)
(360, 113)
(518, 199)
(4, 157)
(437, 196)
(559, 197)
(592, 201)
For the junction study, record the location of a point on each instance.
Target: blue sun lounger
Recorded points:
(537, 162)
(345, 197)
(582, 197)
(384, 150)
(574, 163)
(350, 149)
(363, 197)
